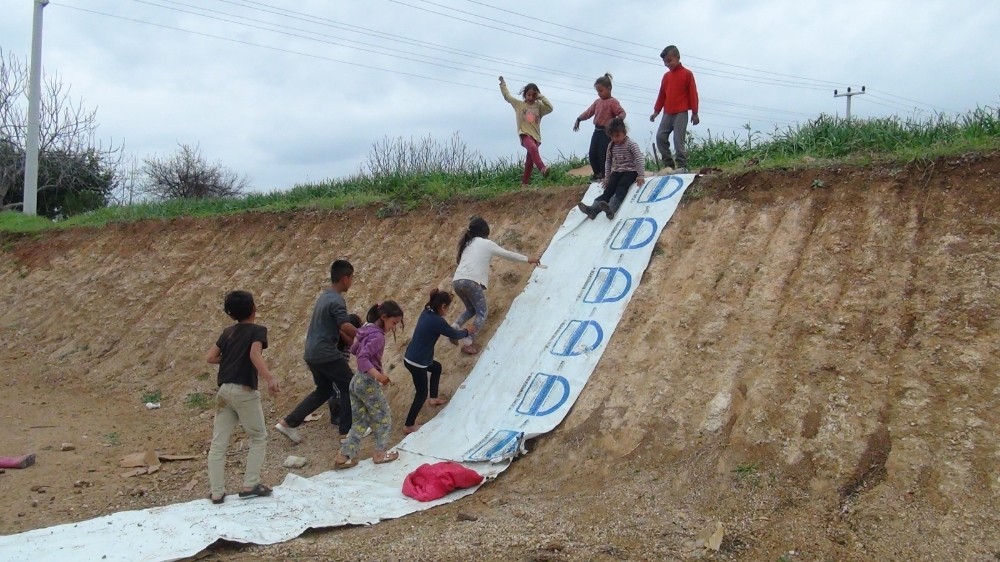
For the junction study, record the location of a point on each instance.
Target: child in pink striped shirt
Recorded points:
(625, 164)
(603, 110)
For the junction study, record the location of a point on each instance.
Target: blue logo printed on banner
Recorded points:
(542, 397)
(571, 341)
(634, 233)
(502, 444)
(609, 285)
(660, 190)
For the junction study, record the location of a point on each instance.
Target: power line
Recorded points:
(302, 17)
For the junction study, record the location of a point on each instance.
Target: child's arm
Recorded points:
(639, 161)
(257, 358)
(546, 105)
(616, 109)
(585, 115)
(372, 348)
(506, 93)
(214, 355)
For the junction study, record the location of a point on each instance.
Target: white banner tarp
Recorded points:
(524, 383)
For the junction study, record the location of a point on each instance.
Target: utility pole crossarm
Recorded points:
(848, 94)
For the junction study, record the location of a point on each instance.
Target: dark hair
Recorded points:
(388, 308)
(239, 305)
(604, 81)
(354, 320)
(530, 86)
(616, 125)
(478, 228)
(340, 269)
(670, 50)
(437, 300)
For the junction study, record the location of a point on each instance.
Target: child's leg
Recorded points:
(316, 398)
(222, 429)
(381, 417)
(465, 290)
(663, 138)
(609, 188)
(246, 402)
(435, 371)
(680, 133)
(599, 151)
(533, 157)
(419, 375)
(361, 386)
(342, 374)
(621, 187)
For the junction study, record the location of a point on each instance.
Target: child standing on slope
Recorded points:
(419, 356)
(369, 407)
(475, 250)
(238, 355)
(627, 165)
(678, 94)
(603, 110)
(529, 114)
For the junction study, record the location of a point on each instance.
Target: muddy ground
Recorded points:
(811, 360)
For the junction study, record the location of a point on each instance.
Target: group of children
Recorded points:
(358, 406)
(622, 163)
(357, 403)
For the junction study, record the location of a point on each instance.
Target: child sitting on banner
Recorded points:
(625, 165)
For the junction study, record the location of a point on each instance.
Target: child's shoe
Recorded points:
(591, 212)
(289, 432)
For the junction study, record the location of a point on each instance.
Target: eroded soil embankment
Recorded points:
(815, 367)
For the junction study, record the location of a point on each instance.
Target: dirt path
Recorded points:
(815, 367)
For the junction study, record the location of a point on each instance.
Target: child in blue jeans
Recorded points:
(238, 355)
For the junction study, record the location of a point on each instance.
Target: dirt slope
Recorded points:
(813, 364)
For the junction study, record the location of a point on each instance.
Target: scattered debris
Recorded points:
(466, 516)
(294, 462)
(313, 417)
(23, 461)
(147, 462)
(711, 536)
(152, 405)
(67, 447)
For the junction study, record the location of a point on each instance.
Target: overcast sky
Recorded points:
(293, 92)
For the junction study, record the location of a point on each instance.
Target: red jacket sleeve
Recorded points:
(662, 95)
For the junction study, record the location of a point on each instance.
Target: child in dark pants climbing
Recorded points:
(238, 355)
(369, 407)
(625, 165)
(419, 356)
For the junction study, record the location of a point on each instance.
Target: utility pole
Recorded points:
(849, 94)
(30, 206)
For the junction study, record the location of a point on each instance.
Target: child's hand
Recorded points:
(576, 126)
(502, 83)
(640, 181)
(694, 119)
(471, 329)
(383, 379)
(652, 117)
(273, 387)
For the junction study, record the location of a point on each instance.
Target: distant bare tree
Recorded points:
(75, 172)
(187, 175)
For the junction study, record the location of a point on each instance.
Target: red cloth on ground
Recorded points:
(432, 481)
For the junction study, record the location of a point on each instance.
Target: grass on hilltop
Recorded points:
(403, 174)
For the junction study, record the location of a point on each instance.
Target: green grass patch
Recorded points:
(198, 401)
(111, 439)
(154, 396)
(402, 175)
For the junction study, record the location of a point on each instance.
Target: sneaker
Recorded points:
(585, 209)
(289, 432)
